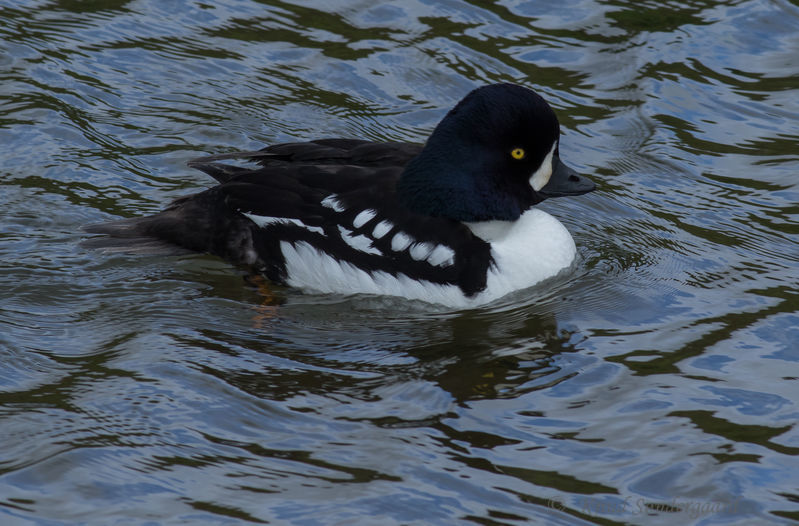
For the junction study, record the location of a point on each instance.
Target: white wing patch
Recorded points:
(541, 176)
(436, 255)
(400, 242)
(420, 251)
(264, 221)
(332, 201)
(381, 229)
(363, 218)
(442, 256)
(358, 242)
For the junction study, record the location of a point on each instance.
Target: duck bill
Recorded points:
(565, 181)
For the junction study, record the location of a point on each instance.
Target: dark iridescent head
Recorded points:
(493, 156)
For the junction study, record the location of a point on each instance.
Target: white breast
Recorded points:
(527, 251)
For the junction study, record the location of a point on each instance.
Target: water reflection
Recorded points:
(492, 360)
(653, 380)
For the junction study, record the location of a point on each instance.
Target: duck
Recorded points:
(452, 221)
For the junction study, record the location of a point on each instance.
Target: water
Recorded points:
(656, 384)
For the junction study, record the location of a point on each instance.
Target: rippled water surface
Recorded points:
(656, 384)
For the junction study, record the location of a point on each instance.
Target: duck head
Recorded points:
(492, 157)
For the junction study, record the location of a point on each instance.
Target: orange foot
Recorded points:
(270, 303)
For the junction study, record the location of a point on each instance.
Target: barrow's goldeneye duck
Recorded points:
(450, 221)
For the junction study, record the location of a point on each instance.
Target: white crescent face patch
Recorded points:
(541, 176)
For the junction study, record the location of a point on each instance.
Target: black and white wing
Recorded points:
(350, 215)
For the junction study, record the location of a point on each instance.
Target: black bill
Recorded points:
(565, 181)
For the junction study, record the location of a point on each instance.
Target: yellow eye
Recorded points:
(518, 153)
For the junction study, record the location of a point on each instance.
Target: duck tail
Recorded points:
(195, 223)
(131, 236)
